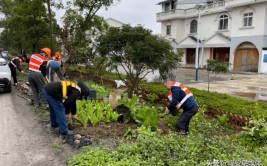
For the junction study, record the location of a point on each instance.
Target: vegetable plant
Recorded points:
(152, 97)
(82, 114)
(255, 133)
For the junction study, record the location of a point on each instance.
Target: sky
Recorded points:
(135, 12)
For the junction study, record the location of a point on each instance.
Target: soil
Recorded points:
(104, 134)
(108, 134)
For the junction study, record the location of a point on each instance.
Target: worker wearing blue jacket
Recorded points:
(52, 68)
(181, 97)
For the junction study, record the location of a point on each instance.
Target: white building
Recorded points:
(114, 23)
(229, 30)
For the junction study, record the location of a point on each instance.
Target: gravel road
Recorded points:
(24, 139)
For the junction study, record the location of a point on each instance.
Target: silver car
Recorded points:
(5, 76)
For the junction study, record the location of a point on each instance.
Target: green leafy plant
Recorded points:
(130, 103)
(254, 134)
(130, 134)
(152, 97)
(82, 114)
(95, 112)
(148, 117)
(157, 88)
(223, 119)
(215, 66)
(110, 115)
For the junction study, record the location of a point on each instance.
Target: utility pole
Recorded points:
(197, 47)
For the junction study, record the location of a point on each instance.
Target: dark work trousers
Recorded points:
(57, 113)
(13, 73)
(184, 119)
(37, 81)
(52, 71)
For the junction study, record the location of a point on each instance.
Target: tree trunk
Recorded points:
(51, 27)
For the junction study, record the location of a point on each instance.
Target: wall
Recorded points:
(258, 22)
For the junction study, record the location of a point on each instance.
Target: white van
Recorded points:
(5, 76)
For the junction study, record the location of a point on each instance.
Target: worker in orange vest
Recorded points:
(36, 77)
(53, 67)
(181, 97)
(55, 93)
(14, 65)
(58, 58)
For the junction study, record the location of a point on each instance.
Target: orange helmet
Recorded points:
(58, 54)
(47, 51)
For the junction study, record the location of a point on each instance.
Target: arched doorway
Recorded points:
(246, 58)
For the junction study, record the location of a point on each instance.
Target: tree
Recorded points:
(216, 67)
(81, 26)
(138, 53)
(26, 24)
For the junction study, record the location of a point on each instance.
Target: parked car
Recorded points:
(4, 54)
(5, 76)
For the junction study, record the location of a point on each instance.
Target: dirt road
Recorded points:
(24, 140)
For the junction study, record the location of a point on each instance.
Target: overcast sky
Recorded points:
(135, 12)
(132, 12)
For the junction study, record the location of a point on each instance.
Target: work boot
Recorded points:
(68, 136)
(182, 132)
(55, 126)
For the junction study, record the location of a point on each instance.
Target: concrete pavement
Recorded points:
(252, 86)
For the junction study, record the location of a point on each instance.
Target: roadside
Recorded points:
(25, 140)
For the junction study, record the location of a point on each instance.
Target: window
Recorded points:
(193, 26)
(173, 5)
(167, 7)
(168, 29)
(248, 19)
(223, 24)
(170, 6)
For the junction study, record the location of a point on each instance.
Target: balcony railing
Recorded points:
(184, 12)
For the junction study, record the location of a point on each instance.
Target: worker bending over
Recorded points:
(52, 68)
(68, 91)
(181, 97)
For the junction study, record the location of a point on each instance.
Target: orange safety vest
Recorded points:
(20, 61)
(36, 61)
(183, 88)
(57, 59)
(65, 84)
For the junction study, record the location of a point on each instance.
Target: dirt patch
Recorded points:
(108, 134)
(104, 130)
(165, 128)
(104, 134)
